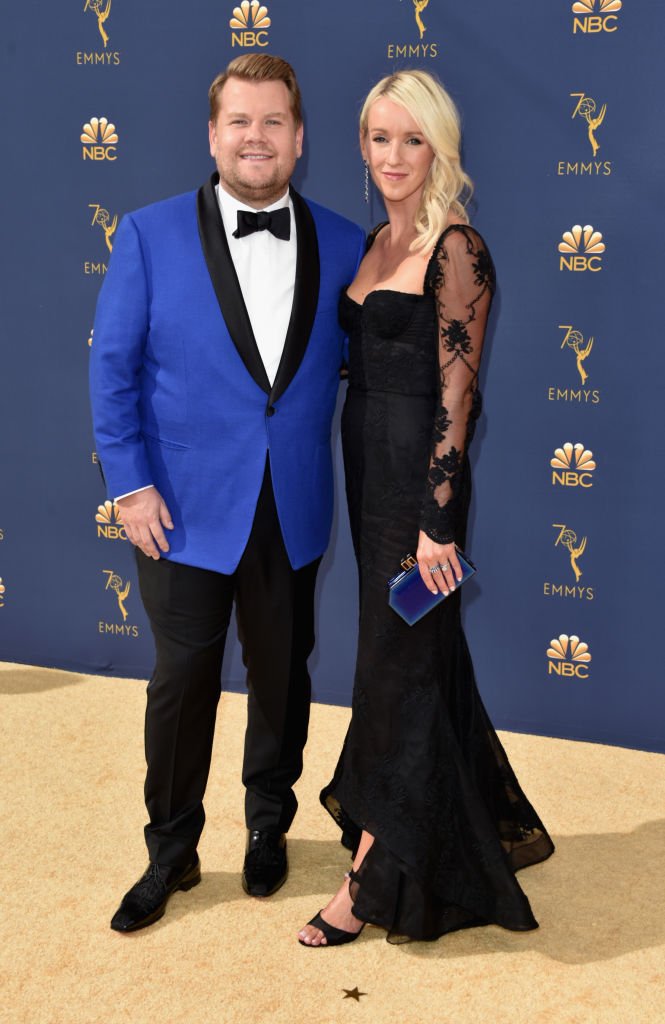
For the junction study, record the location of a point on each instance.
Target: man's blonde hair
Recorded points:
(258, 67)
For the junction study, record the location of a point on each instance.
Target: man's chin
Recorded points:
(256, 190)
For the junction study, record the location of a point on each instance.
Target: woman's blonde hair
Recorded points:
(447, 186)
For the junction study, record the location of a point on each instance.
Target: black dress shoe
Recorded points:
(146, 901)
(266, 867)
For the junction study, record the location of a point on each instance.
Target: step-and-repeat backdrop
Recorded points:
(105, 111)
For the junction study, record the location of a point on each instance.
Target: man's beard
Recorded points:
(251, 190)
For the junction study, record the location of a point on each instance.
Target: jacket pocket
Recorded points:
(165, 442)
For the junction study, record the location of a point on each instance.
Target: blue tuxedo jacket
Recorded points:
(180, 395)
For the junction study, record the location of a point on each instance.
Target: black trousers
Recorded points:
(189, 611)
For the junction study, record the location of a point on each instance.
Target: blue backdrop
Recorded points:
(105, 111)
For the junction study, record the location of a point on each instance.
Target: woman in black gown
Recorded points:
(423, 791)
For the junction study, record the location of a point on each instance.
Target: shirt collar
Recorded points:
(229, 205)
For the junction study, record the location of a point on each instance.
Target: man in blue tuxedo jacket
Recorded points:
(213, 377)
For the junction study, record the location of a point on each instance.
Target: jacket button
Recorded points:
(270, 411)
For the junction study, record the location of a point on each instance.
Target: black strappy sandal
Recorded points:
(334, 936)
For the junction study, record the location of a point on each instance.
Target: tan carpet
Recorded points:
(71, 778)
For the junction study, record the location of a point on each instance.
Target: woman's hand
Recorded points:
(438, 564)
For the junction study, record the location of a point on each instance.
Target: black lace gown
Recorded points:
(422, 768)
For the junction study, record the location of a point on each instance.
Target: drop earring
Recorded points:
(366, 181)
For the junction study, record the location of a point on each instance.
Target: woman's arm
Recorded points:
(463, 284)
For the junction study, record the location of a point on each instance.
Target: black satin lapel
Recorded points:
(305, 297)
(225, 281)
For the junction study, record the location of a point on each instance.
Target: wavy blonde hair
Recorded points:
(447, 186)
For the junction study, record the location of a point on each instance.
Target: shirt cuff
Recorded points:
(137, 491)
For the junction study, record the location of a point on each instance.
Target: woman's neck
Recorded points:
(402, 218)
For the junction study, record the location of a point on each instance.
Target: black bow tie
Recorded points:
(278, 222)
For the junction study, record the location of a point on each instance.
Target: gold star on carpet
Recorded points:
(353, 993)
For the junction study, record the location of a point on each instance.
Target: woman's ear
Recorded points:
(363, 148)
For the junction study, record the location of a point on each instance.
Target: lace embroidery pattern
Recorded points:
(461, 277)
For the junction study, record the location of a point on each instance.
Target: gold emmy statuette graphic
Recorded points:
(103, 218)
(115, 583)
(102, 10)
(586, 108)
(252, 21)
(568, 656)
(415, 50)
(90, 338)
(575, 340)
(572, 465)
(2, 593)
(418, 8)
(568, 538)
(581, 248)
(99, 138)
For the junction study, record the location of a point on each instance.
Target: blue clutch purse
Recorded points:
(408, 595)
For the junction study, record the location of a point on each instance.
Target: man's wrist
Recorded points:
(137, 491)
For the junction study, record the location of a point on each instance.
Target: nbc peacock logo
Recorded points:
(581, 249)
(568, 657)
(100, 139)
(572, 465)
(2, 593)
(593, 16)
(109, 522)
(250, 23)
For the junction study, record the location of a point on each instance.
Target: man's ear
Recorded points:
(212, 138)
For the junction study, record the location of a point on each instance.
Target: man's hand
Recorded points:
(442, 558)
(143, 515)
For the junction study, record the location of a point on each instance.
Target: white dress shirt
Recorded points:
(266, 269)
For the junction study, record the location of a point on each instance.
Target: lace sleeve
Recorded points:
(461, 277)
